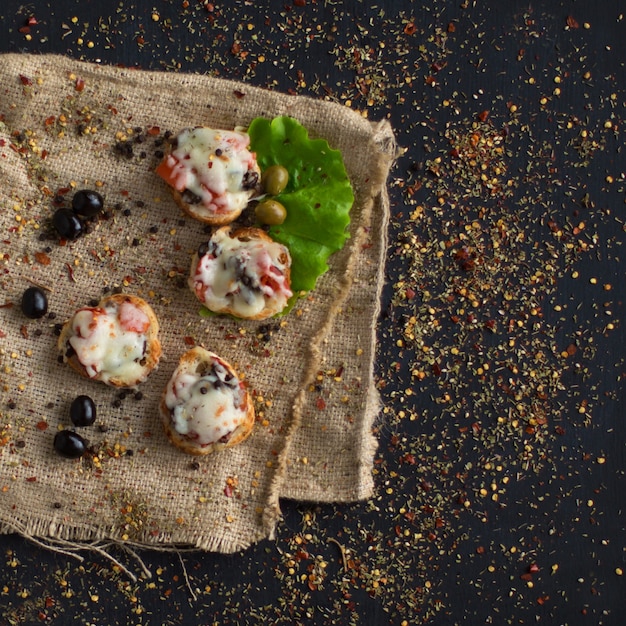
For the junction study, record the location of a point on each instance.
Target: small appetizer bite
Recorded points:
(243, 273)
(115, 342)
(205, 407)
(212, 173)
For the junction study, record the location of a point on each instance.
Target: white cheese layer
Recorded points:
(205, 408)
(107, 342)
(212, 165)
(243, 276)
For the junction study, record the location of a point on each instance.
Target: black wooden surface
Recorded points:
(500, 473)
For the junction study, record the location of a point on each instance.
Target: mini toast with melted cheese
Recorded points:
(244, 273)
(205, 407)
(212, 174)
(115, 342)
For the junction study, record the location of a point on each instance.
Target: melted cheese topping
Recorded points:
(212, 164)
(243, 276)
(205, 408)
(111, 342)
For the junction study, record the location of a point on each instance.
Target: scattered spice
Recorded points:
(498, 363)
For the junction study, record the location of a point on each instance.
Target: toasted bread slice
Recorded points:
(205, 406)
(115, 342)
(212, 174)
(244, 273)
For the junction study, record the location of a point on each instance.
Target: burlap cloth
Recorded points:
(67, 124)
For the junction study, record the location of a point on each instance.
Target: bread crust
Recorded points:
(213, 220)
(153, 345)
(249, 233)
(189, 362)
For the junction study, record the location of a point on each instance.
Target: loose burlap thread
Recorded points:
(68, 125)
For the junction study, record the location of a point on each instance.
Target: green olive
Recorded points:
(274, 179)
(270, 212)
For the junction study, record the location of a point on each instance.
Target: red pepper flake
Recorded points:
(70, 271)
(24, 331)
(31, 479)
(25, 80)
(483, 115)
(451, 27)
(299, 3)
(410, 28)
(32, 21)
(42, 425)
(42, 258)
(238, 94)
(189, 341)
(154, 130)
(437, 66)
(466, 258)
(320, 404)
(228, 491)
(79, 85)
(571, 22)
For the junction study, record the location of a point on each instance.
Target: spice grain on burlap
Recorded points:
(67, 125)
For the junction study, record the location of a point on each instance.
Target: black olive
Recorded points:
(250, 180)
(67, 223)
(69, 444)
(190, 197)
(34, 303)
(87, 203)
(83, 411)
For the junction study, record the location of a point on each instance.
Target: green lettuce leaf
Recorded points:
(318, 197)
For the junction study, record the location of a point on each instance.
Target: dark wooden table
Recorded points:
(500, 473)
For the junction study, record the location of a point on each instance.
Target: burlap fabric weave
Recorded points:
(68, 125)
